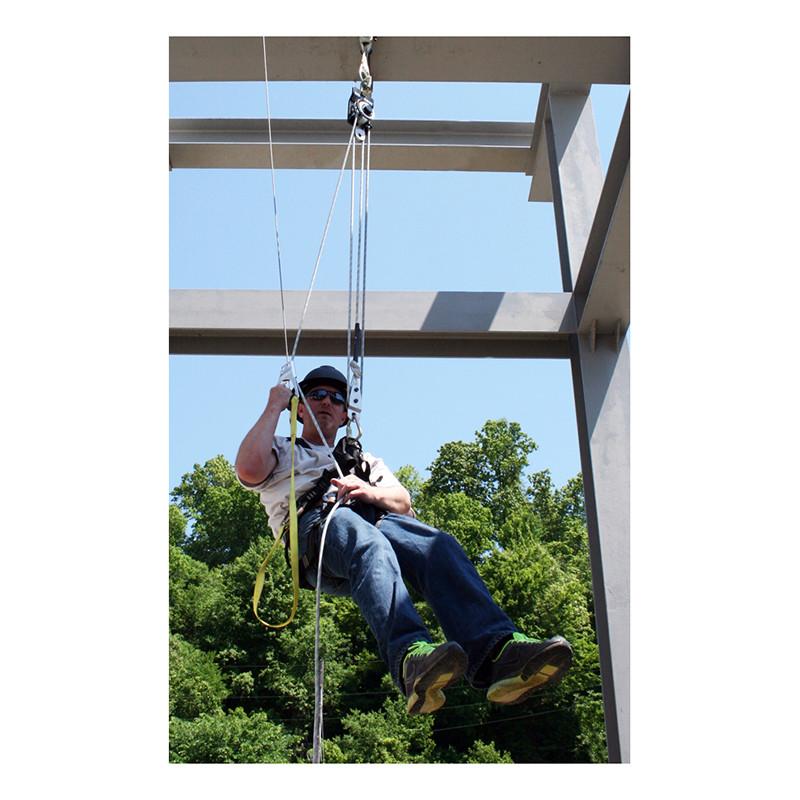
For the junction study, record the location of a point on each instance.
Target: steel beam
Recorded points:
(601, 382)
(320, 144)
(448, 324)
(576, 173)
(536, 59)
(538, 162)
(602, 288)
(600, 377)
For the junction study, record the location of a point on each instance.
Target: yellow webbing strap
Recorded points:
(293, 556)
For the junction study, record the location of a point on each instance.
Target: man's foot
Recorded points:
(525, 665)
(427, 669)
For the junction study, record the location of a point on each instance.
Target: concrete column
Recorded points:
(600, 372)
(601, 382)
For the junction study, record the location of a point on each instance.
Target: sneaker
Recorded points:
(524, 665)
(427, 669)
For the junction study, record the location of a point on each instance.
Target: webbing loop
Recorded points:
(293, 543)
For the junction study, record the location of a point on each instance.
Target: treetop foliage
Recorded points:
(240, 693)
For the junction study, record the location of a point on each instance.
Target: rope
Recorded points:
(288, 373)
(274, 194)
(322, 243)
(318, 667)
(364, 273)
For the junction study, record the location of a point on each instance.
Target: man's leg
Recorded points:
(359, 561)
(499, 657)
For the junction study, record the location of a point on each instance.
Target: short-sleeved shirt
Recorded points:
(310, 461)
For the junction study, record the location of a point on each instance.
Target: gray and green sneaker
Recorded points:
(524, 665)
(427, 669)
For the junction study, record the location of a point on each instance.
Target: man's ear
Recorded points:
(300, 408)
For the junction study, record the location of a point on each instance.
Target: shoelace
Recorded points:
(521, 638)
(420, 648)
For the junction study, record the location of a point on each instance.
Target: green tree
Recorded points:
(528, 540)
(225, 517)
(177, 526)
(195, 682)
(232, 738)
(489, 470)
(387, 736)
(486, 753)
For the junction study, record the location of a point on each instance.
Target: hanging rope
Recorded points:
(360, 115)
(274, 194)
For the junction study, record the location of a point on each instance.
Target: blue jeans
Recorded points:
(372, 563)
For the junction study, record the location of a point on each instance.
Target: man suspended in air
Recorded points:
(374, 544)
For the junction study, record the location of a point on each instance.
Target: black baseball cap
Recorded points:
(324, 375)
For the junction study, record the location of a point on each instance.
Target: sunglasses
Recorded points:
(321, 394)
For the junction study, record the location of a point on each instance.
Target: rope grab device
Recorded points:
(347, 454)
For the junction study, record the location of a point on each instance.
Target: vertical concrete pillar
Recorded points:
(601, 383)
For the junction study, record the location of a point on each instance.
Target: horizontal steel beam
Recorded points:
(602, 287)
(320, 144)
(534, 59)
(446, 324)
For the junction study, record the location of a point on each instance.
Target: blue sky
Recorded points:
(428, 231)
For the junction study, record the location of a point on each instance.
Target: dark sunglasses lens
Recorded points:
(321, 394)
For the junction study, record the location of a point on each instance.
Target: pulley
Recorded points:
(360, 107)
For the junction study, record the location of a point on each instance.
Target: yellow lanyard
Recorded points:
(293, 555)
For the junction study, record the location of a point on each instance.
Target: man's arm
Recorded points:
(255, 460)
(394, 499)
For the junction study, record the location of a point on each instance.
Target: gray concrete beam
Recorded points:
(535, 59)
(601, 383)
(446, 324)
(576, 173)
(538, 162)
(600, 378)
(602, 288)
(320, 144)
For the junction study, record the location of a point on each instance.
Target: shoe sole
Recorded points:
(545, 668)
(426, 694)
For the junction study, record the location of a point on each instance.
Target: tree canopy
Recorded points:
(240, 693)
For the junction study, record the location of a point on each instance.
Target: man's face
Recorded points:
(330, 413)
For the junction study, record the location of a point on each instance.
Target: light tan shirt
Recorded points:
(310, 461)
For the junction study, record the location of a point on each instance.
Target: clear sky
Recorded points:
(427, 231)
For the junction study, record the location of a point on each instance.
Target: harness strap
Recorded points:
(293, 544)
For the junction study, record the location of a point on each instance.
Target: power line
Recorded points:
(506, 719)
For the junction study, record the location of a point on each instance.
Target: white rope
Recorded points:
(350, 272)
(364, 274)
(317, 748)
(288, 372)
(324, 237)
(274, 193)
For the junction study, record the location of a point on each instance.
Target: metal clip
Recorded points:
(288, 379)
(354, 397)
(360, 106)
(366, 43)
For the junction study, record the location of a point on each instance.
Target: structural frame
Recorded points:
(588, 323)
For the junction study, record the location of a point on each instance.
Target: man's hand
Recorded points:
(353, 488)
(255, 460)
(394, 499)
(279, 397)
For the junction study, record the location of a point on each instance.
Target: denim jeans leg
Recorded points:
(358, 559)
(434, 563)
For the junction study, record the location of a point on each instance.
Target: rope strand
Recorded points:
(322, 243)
(274, 194)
